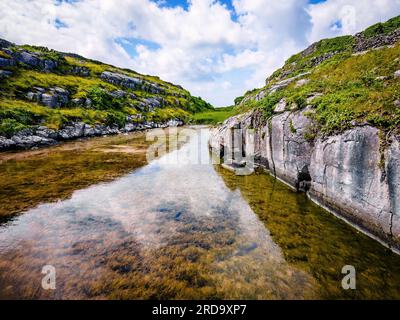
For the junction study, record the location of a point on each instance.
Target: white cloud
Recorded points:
(212, 51)
(354, 16)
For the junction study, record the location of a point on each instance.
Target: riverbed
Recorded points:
(115, 225)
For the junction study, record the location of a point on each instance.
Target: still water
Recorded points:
(117, 226)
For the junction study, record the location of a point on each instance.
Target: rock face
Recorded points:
(33, 60)
(131, 82)
(348, 177)
(52, 98)
(353, 174)
(363, 44)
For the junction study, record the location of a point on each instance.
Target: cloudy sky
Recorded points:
(217, 49)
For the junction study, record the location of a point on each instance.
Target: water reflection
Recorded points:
(179, 230)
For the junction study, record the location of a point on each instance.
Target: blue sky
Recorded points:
(217, 49)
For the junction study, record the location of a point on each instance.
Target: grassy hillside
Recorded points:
(346, 80)
(215, 116)
(31, 78)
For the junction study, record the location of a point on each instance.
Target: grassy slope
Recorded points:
(215, 116)
(16, 112)
(354, 88)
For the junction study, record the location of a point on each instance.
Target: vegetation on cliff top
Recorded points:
(343, 87)
(82, 79)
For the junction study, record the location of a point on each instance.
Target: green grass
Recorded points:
(352, 91)
(16, 112)
(354, 88)
(215, 116)
(382, 28)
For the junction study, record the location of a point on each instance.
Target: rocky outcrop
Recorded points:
(131, 82)
(33, 60)
(355, 175)
(52, 98)
(5, 62)
(363, 43)
(41, 136)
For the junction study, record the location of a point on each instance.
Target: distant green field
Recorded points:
(213, 117)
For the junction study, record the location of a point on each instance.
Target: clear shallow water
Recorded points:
(181, 231)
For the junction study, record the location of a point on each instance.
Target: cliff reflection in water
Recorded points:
(181, 230)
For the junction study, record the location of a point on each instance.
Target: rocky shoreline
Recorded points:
(354, 174)
(41, 136)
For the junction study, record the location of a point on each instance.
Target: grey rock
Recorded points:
(347, 177)
(6, 144)
(5, 74)
(380, 40)
(397, 74)
(88, 131)
(49, 100)
(26, 142)
(397, 103)
(49, 65)
(88, 103)
(45, 132)
(284, 83)
(72, 131)
(28, 58)
(261, 95)
(344, 173)
(129, 127)
(39, 89)
(281, 106)
(153, 102)
(5, 44)
(4, 62)
(118, 94)
(80, 71)
(34, 96)
(131, 82)
(79, 102)
(302, 82)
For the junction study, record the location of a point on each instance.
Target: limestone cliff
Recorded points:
(321, 127)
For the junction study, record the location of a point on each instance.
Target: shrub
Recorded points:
(382, 28)
(116, 118)
(8, 127)
(102, 100)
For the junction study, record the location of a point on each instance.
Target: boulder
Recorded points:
(6, 144)
(80, 71)
(34, 96)
(28, 58)
(397, 74)
(45, 132)
(281, 106)
(30, 141)
(49, 100)
(284, 83)
(4, 62)
(72, 131)
(118, 94)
